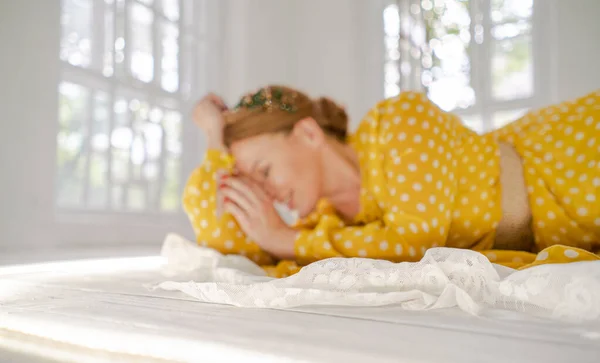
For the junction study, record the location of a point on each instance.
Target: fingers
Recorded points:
(218, 101)
(244, 189)
(256, 188)
(239, 216)
(233, 195)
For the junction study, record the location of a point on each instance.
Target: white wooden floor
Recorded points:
(101, 311)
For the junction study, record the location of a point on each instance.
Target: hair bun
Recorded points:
(335, 116)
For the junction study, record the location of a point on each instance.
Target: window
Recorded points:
(127, 74)
(471, 57)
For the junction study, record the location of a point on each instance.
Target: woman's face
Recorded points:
(288, 166)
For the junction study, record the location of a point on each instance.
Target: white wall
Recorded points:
(332, 48)
(577, 48)
(29, 39)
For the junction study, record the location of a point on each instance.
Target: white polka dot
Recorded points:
(204, 204)
(464, 200)
(424, 157)
(398, 249)
(301, 250)
(337, 236)
(555, 239)
(487, 217)
(405, 197)
(551, 215)
(400, 230)
(417, 187)
(412, 252)
(412, 121)
(383, 246)
(206, 185)
(362, 253)
(421, 207)
(413, 227)
(542, 256)
(582, 211)
(229, 244)
(327, 245)
(204, 223)
(417, 139)
(358, 233)
(571, 253)
(400, 178)
(432, 199)
(467, 224)
(569, 173)
(412, 167)
(401, 136)
(428, 178)
(491, 256)
(348, 244)
(597, 222)
(541, 224)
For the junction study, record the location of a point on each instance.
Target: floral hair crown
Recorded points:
(269, 99)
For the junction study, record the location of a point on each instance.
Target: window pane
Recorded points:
(474, 122)
(172, 168)
(142, 59)
(136, 197)
(512, 69)
(170, 196)
(511, 30)
(99, 143)
(171, 9)
(172, 126)
(511, 10)
(391, 20)
(109, 38)
(73, 116)
(76, 42)
(170, 57)
(446, 60)
(503, 118)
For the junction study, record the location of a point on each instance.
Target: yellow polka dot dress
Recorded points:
(428, 181)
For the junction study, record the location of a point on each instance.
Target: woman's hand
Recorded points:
(256, 215)
(208, 115)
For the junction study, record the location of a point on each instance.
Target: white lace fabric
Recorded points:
(444, 278)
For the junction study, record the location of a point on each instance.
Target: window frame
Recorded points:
(481, 54)
(83, 225)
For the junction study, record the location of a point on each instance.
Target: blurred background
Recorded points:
(95, 95)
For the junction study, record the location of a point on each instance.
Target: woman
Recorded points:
(410, 178)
